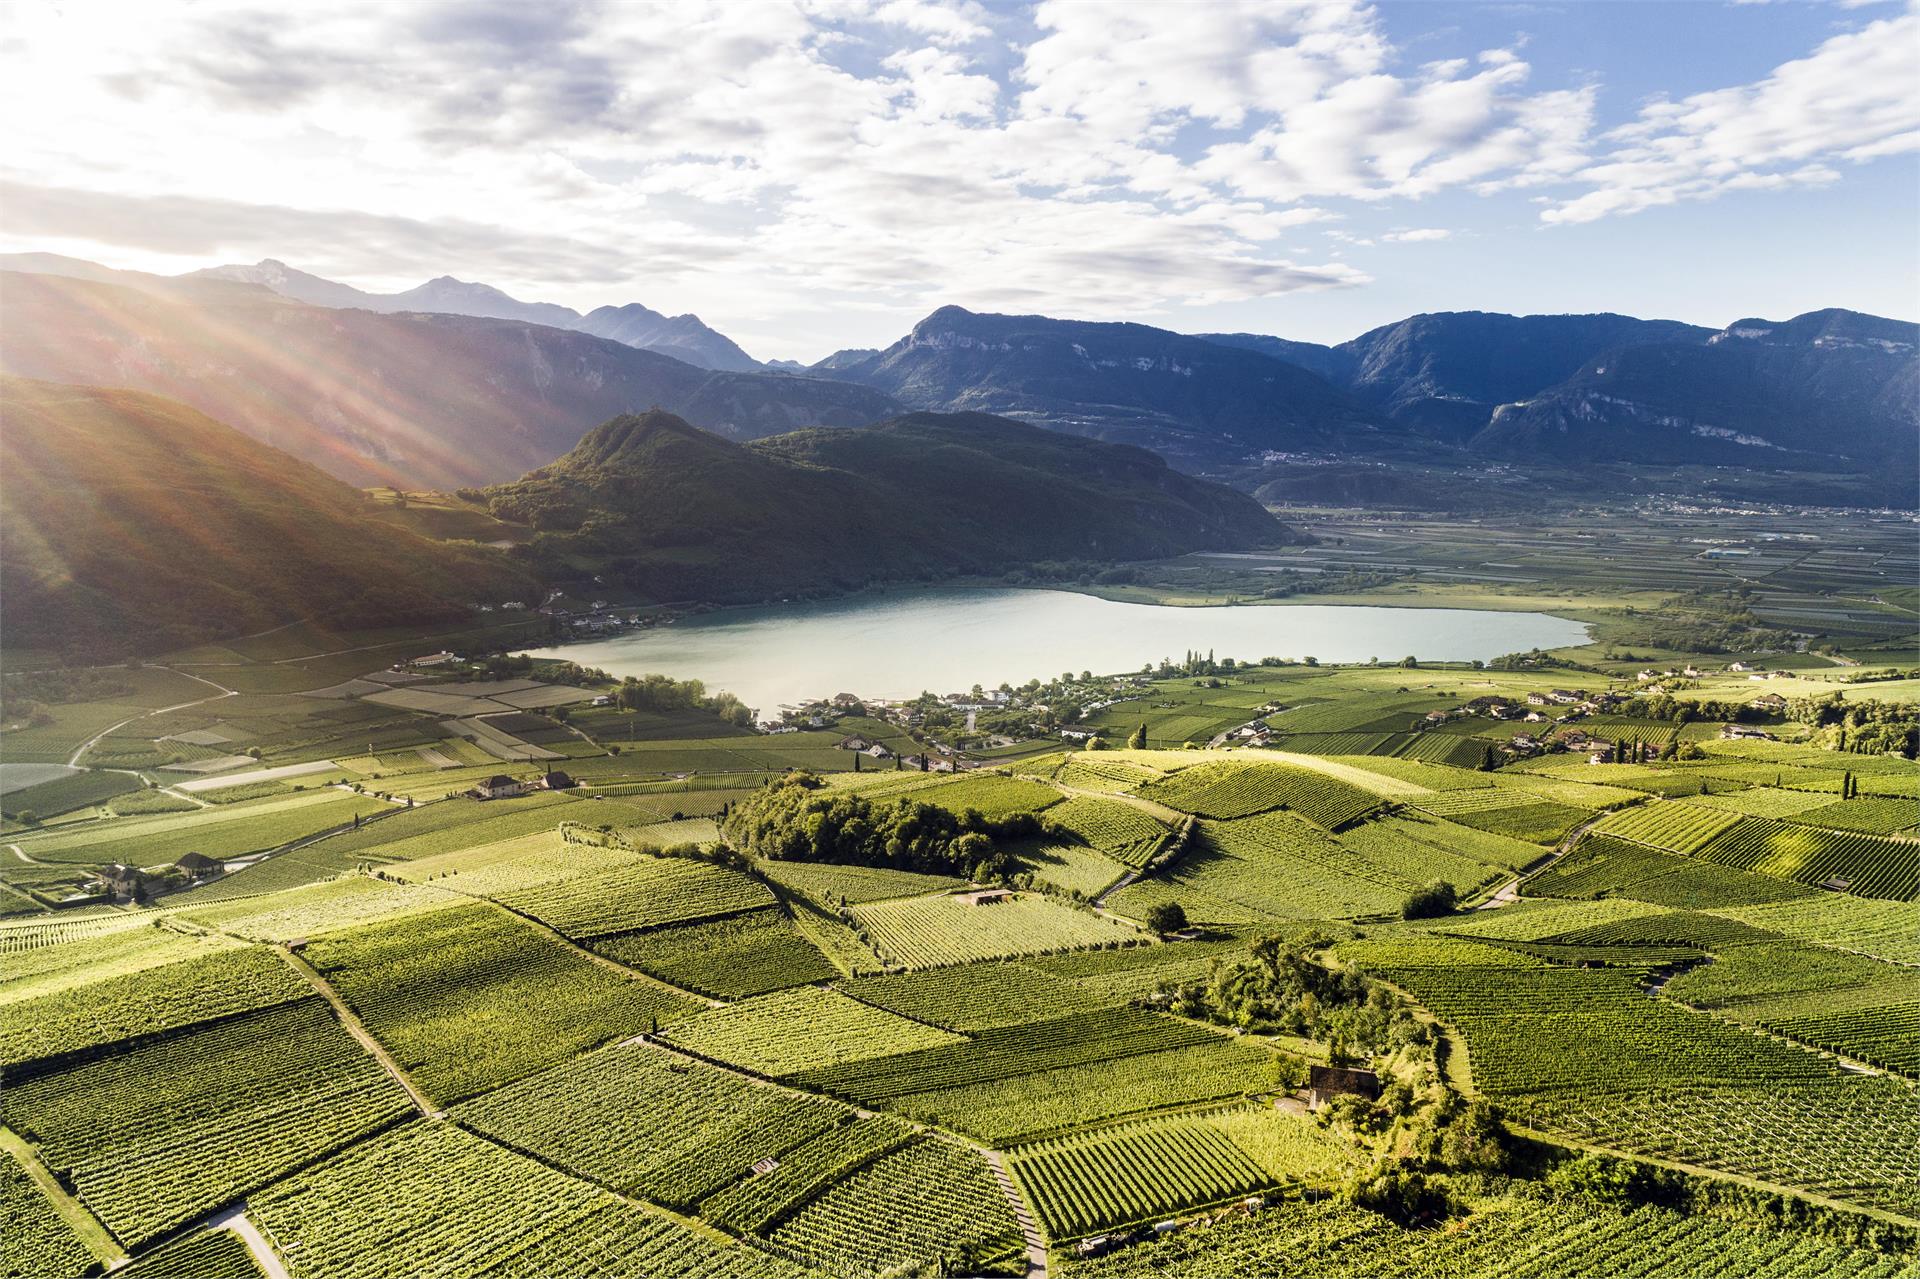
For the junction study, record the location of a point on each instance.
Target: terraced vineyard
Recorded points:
(1119, 829)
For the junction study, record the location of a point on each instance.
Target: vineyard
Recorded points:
(1867, 865)
(1022, 1107)
(432, 1198)
(802, 1030)
(1227, 789)
(157, 1135)
(1674, 828)
(977, 997)
(650, 1122)
(72, 1022)
(764, 1199)
(1603, 866)
(1003, 1052)
(1497, 1239)
(646, 894)
(930, 1202)
(469, 998)
(704, 1065)
(1280, 867)
(1120, 830)
(924, 932)
(831, 885)
(1133, 1172)
(730, 958)
(33, 1238)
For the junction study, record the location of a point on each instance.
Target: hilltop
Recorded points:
(134, 523)
(678, 513)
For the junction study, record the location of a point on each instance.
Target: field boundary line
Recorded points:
(632, 974)
(91, 1231)
(359, 1031)
(1036, 1243)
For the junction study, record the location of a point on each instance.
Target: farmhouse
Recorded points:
(499, 786)
(556, 780)
(1731, 732)
(1327, 1082)
(1536, 699)
(198, 864)
(1769, 702)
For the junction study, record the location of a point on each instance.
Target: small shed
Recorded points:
(1327, 1082)
(987, 897)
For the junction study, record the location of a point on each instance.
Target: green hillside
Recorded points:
(133, 523)
(677, 513)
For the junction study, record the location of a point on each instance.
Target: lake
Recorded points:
(902, 643)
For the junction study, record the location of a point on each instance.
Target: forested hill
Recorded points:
(133, 524)
(677, 513)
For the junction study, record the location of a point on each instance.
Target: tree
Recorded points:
(1166, 917)
(1487, 760)
(1138, 741)
(1410, 662)
(1436, 899)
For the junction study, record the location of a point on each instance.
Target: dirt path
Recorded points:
(264, 1255)
(73, 761)
(1029, 1232)
(1510, 892)
(360, 1032)
(21, 854)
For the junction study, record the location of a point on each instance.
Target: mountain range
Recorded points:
(459, 384)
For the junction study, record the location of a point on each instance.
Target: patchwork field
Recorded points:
(572, 1032)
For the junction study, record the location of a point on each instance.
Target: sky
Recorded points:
(808, 175)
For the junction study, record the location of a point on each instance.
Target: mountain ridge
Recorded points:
(672, 512)
(685, 337)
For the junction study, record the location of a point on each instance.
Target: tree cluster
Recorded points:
(797, 818)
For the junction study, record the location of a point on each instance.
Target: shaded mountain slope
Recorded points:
(421, 400)
(1826, 389)
(133, 523)
(677, 513)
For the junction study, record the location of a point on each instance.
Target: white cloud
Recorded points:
(1850, 100)
(808, 171)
